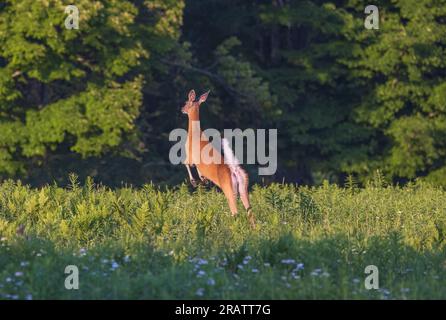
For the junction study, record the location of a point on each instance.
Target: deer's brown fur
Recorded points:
(231, 179)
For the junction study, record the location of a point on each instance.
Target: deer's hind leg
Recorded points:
(227, 187)
(243, 183)
(202, 177)
(232, 202)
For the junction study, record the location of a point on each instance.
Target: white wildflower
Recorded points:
(299, 266)
(316, 272)
(202, 261)
(288, 261)
(199, 292)
(114, 265)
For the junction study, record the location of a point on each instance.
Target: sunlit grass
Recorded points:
(146, 243)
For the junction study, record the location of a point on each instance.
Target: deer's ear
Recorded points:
(191, 95)
(203, 97)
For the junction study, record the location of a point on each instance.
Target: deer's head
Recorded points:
(192, 105)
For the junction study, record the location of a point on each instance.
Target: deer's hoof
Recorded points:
(194, 183)
(204, 180)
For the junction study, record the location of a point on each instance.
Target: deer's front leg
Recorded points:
(191, 177)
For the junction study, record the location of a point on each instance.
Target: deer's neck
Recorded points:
(194, 121)
(194, 135)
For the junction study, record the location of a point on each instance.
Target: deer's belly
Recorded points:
(218, 174)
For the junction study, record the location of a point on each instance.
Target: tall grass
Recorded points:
(311, 242)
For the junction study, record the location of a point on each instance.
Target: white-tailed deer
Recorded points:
(227, 175)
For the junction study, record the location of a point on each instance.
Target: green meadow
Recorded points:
(147, 243)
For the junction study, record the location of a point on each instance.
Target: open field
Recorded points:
(145, 243)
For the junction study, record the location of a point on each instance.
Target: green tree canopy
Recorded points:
(75, 89)
(402, 70)
(345, 100)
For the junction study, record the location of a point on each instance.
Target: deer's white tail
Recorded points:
(238, 176)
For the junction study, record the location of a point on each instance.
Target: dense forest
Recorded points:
(101, 100)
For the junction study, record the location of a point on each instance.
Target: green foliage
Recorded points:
(237, 73)
(147, 243)
(102, 100)
(402, 69)
(75, 90)
(346, 99)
